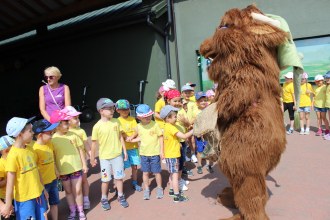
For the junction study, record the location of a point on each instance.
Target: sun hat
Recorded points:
(169, 84)
(143, 111)
(173, 93)
(16, 125)
(5, 142)
(166, 110)
(304, 75)
(209, 93)
(71, 111)
(161, 89)
(122, 104)
(103, 103)
(43, 125)
(199, 95)
(289, 75)
(318, 78)
(58, 116)
(187, 88)
(327, 75)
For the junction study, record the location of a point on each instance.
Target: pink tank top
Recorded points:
(58, 95)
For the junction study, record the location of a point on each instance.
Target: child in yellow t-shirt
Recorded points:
(305, 105)
(44, 150)
(70, 162)
(128, 124)
(150, 137)
(327, 98)
(23, 179)
(172, 150)
(107, 135)
(319, 105)
(74, 126)
(289, 101)
(5, 144)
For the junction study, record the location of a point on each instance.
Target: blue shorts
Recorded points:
(200, 144)
(304, 109)
(52, 190)
(151, 164)
(31, 208)
(133, 158)
(172, 164)
(316, 109)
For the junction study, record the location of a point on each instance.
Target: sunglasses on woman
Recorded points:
(49, 77)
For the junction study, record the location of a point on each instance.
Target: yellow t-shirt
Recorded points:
(66, 150)
(171, 141)
(192, 107)
(158, 106)
(319, 99)
(288, 92)
(192, 98)
(305, 99)
(81, 133)
(181, 114)
(27, 185)
(45, 161)
(128, 125)
(3, 174)
(108, 136)
(327, 97)
(149, 135)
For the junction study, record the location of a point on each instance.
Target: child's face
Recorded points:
(175, 102)
(145, 120)
(172, 118)
(63, 127)
(107, 112)
(303, 81)
(124, 113)
(74, 122)
(327, 81)
(319, 83)
(210, 98)
(27, 134)
(287, 80)
(187, 94)
(202, 103)
(46, 136)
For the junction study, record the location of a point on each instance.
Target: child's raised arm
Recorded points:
(184, 136)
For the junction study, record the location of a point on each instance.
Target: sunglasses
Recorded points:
(49, 77)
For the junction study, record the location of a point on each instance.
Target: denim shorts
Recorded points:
(114, 166)
(316, 109)
(304, 109)
(151, 164)
(133, 158)
(200, 144)
(34, 208)
(52, 190)
(172, 164)
(74, 175)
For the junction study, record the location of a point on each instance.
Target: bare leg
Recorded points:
(158, 180)
(105, 188)
(119, 184)
(146, 182)
(54, 212)
(85, 185)
(76, 186)
(134, 172)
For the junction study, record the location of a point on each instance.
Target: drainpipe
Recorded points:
(166, 35)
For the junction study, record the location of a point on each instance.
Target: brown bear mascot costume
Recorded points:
(250, 120)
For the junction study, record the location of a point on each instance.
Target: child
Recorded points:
(70, 162)
(289, 101)
(210, 95)
(172, 150)
(201, 102)
(43, 148)
(128, 124)
(159, 105)
(150, 136)
(23, 179)
(107, 135)
(305, 105)
(5, 144)
(327, 98)
(74, 126)
(319, 105)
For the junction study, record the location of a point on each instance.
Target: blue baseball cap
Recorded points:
(199, 95)
(16, 125)
(143, 110)
(5, 142)
(166, 110)
(122, 104)
(104, 103)
(43, 125)
(327, 75)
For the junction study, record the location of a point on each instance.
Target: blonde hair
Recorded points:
(54, 70)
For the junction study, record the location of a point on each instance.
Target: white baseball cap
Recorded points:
(289, 75)
(318, 78)
(16, 125)
(169, 84)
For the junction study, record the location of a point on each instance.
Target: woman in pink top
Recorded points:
(54, 95)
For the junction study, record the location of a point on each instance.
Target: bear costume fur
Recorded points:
(244, 64)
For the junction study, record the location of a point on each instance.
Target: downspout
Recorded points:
(166, 35)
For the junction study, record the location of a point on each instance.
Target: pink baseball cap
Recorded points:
(209, 93)
(161, 89)
(58, 116)
(71, 111)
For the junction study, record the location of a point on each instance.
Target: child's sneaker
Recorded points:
(159, 193)
(187, 172)
(209, 168)
(319, 132)
(82, 216)
(137, 187)
(146, 194)
(87, 205)
(171, 192)
(72, 216)
(105, 204)
(180, 198)
(187, 159)
(302, 132)
(122, 201)
(327, 137)
(290, 131)
(306, 132)
(182, 185)
(199, 170)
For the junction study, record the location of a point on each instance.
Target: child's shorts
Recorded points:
(71, 176)
(34, 208)
(304, 109)
(151, 164)
(114, 166)
(200, 144)
(172, 164)
(316, 109)
(52, 190)
(133, 158)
